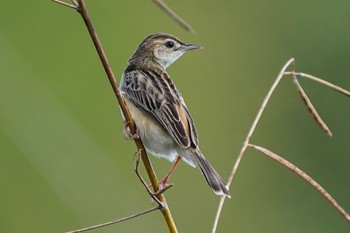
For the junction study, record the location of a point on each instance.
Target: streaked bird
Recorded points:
(162, 119)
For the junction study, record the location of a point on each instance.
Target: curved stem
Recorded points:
(303, 175)
(247, 139)
(81, 8)
(148, 166)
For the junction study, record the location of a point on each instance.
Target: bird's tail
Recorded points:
(213, 178)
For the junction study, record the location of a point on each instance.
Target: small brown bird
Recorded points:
(162, 119)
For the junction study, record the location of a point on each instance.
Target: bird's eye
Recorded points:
(169, 44)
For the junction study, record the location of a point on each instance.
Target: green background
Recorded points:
(64, 164)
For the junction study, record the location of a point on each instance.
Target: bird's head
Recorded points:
(162, 48)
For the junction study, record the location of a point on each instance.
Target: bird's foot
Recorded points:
(162, 188)
(127, 134)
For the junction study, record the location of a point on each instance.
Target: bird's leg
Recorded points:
(164, 182)
(127, 134)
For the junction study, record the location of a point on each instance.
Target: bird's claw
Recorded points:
(127, 134)
(162, 189)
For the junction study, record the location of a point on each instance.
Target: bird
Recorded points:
(162, 119)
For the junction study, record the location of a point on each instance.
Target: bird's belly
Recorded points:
(156, 140)
(158, 143)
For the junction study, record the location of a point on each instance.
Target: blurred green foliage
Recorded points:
(64, 164)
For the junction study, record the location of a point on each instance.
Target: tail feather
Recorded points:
(213, 178)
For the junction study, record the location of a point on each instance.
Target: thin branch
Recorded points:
(303, 175)
(257, 118)
(311, 108)
(115, 221)
(328, 84)
(307, 101)
(313, 111)
(173, 15)
(74, 6)
(137, 171)
(149, 169)
(247, 139)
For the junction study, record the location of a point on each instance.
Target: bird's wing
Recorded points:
(157, 95)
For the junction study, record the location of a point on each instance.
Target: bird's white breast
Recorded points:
(154, 137)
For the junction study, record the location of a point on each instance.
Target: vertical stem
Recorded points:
(148, 166)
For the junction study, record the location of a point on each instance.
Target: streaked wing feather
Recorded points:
(162, 102)
(193, 130)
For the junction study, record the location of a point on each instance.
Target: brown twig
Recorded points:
(74, 5)
(313, 111)
(81, 8)
(137, 171)
(303, 175)
(307, 101)
(115, 221)
(173, 15)
(328, 84)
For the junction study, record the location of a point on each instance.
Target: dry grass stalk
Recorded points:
(80, 6)
(115, 221)
(248, 137)
(324, 82)
(303, 175)
(173, 15)
(311, 108)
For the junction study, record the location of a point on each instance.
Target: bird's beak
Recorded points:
(190, 47)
